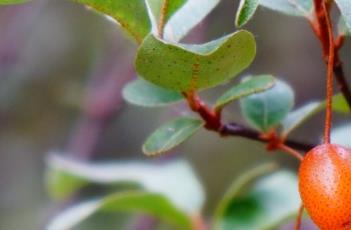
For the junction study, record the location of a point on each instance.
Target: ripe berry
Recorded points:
(325, 186)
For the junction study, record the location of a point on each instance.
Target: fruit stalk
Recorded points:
(329, 82)
(319, 26)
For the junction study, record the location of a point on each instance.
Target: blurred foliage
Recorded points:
(56, 63)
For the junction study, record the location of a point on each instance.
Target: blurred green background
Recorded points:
(61, 71)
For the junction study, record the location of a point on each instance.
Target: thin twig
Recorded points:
(299, 218)
(291, 151)
(162, 19)
(233, 129)
(213, 122)
(329, 82)
(320, 28)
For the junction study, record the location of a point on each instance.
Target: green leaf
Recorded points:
(132, 202)
(143, 93)
(267, 109)
(343, 29)
(62, 184)
(65, 176)
(246, 10)
(171, 7)
(170, 135)
(190, 67)
(177, 12)
(289, 7)
(187, 17)
(339, 104)
(345, 9)
(295, 118)
(155, 11)
(131, 15)
(252, 85)
(9, 2)
(262, 204)
(341, 135)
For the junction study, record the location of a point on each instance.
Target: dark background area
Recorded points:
(61, 71)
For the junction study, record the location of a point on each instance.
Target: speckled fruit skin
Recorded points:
(325, 186)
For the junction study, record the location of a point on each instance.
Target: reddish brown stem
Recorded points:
(162, 19)
(233, 129)
(320, 28)
(299, 218)
(290, 151)
(211, 117)
(330, 67)
(213, 122)
(276, 142)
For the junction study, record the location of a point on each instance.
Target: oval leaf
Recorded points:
(297, 117)
(261, 205)
(246, 10)
(65, 176)
(252, 85)
(162, 10)
(267, 109)
(170, 135)
(190, 67)
(345, 9)
(187, 17)
(143, 93)
(289, 7)
(132, 15)
(133, 202)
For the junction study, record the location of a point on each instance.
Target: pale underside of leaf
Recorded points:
(132, 202)
(294, 119)
(289, 7)
(143, 93)
(160, 12)
(345, 9)
(343, 29)
(187, 17)
(156, 178)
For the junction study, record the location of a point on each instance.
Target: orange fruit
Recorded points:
(325, 186)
